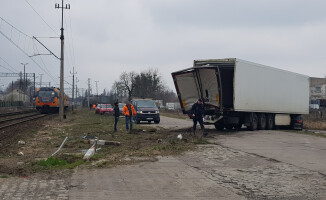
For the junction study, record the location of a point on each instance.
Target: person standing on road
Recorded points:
(116, 115)
(198, 111)
(129, 111)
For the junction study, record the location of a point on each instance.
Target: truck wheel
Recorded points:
(254, 122)
(238, 126)
(229, 126)
(269, 121)
(219, 126)
(261, 121)
(157, 121)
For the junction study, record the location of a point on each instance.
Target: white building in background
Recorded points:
(317, 88)
(17, 95)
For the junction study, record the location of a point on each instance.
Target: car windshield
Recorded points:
(46, 94)
(146, 104)
(106, 106)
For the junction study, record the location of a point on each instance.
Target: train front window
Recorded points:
(46, 94)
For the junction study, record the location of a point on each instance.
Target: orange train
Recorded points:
(47, 100)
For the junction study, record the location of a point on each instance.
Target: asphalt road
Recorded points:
(305, 151)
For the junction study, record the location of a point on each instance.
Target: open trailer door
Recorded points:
(194, 83)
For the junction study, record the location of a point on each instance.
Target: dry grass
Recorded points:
(315, 124)
(144, 143)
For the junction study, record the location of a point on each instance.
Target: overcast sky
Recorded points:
(103, 38)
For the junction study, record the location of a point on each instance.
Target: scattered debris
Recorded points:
(153, 130)
(60, 146)
(20, 153)
(179, 136)
(21, 142)
(88, 136)
(104, 142)
(91, 151)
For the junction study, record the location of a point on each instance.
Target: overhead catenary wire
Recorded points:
(23, 50)
(14, 70)
(49, 73)
(12, 42)
(41, 17)
(7, 68)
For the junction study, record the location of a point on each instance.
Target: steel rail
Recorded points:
(15, 113)
(22, 120)
(18, 117)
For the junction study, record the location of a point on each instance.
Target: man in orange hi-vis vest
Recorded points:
(129, 111)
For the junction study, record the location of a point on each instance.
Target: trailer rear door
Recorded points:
(195, 83)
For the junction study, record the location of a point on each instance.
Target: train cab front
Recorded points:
(46, 100)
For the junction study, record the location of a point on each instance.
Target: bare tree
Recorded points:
(127, 83)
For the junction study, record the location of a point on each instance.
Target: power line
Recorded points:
(8, 65)
(41, 17)
(23, 50)
(48, 72)
(12, 42)
(6, 68)
(16, 28)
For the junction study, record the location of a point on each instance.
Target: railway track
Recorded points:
(15, 118)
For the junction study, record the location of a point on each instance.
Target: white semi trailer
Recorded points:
(238, 92)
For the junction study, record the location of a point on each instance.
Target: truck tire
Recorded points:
(219, 126)
(261, 121)
(229, 126)
(157, 121)
(254, 122)
(269, 121)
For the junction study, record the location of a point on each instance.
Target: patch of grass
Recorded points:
(60, 163)
(159, 147)
(201, 141)
(4, 176)
(52, 162)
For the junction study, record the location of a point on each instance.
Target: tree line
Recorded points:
(146, 84)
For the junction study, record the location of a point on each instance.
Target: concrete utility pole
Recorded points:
(88, 92)
(25, 77)
(61, 105)
(96, 88)
(76, 92)
(40, 79)
(73, 87)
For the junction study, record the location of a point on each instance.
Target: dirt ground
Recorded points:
(43, 137)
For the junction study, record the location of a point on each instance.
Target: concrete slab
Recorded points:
(168, 178)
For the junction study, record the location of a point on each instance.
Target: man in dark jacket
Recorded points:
(116, 115)
(198, 112)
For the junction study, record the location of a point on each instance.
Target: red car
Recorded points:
(97, 109)
(105, 108)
